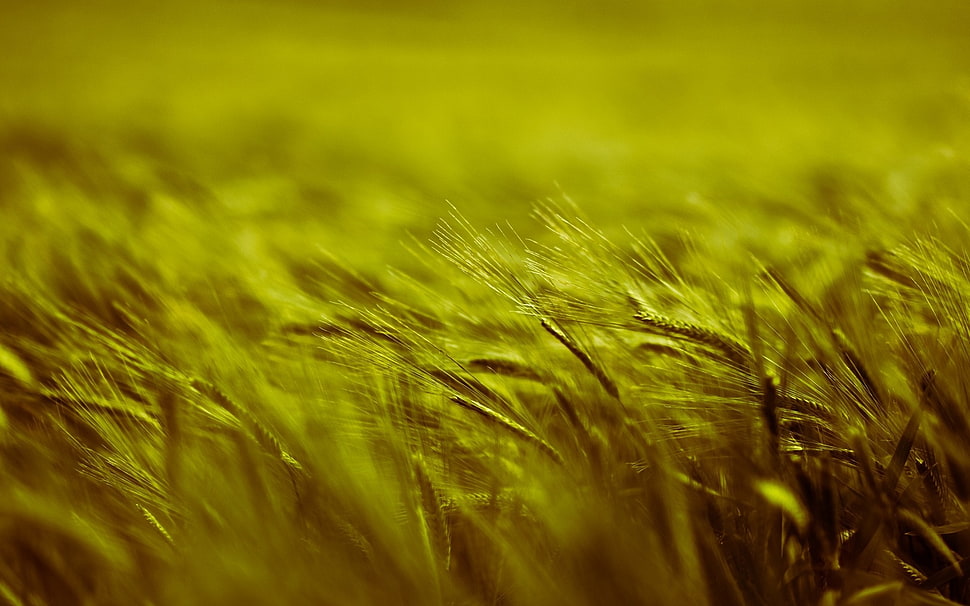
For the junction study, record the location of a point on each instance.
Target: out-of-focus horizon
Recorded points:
(387, 111)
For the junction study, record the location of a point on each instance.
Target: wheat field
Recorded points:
(477, 304)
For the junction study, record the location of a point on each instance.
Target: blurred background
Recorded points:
(351, 124)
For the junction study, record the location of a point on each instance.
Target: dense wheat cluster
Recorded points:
(693, 326)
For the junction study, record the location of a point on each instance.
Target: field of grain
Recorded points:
(476, 304)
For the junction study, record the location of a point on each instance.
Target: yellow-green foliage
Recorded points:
(637, 303)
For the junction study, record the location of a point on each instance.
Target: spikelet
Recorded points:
(732, 350)
(263, 434)
(154, 523)
(591, 365)
(507, 423)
